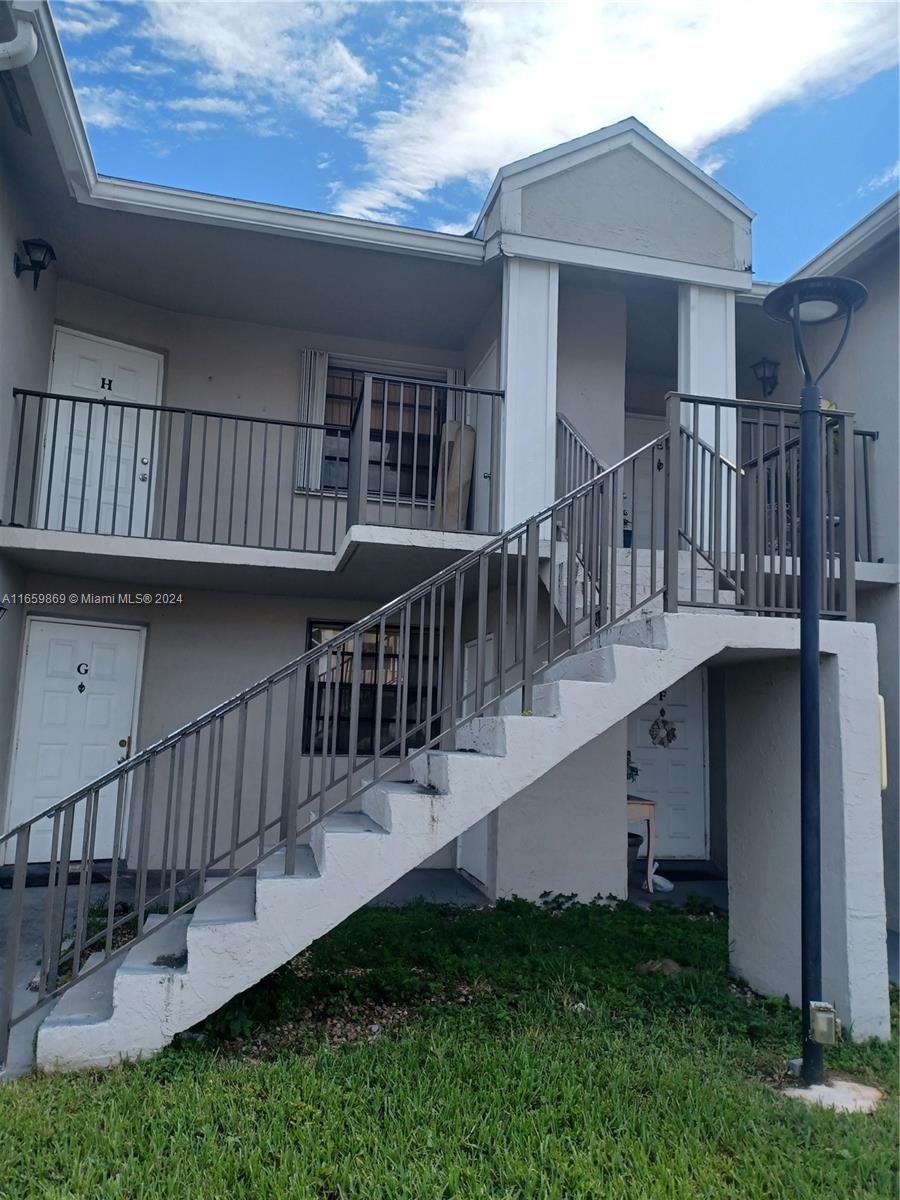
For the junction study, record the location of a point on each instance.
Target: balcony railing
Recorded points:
(864, 445)
(425, 455)
(738, 467)
(411, 454)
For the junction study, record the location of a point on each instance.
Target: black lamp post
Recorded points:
(801, 303)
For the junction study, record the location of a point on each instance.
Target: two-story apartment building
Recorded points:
(332, 549)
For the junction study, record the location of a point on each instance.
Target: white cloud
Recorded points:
(85, 18)
(119, 59)
(211, 104)
(883, 180)
(284, 51)
(457, 227)
(108, 108)
(527, 76)
(194, 127)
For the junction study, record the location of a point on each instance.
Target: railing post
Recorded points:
(184, 476)
(673, 503)
(358, 465)
(13, 936)
(531, 606)
(848, 515)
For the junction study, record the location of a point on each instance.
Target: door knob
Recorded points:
(145, 462)
(125, 744)
(143, 477)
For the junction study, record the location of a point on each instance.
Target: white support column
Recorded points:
(706, 348)
(528, 372)
(706, 355)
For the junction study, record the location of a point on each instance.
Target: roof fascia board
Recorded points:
(627, 132)
(50, 77)
(862, 237)
(153, 200)
(520, 245)
(60, 107)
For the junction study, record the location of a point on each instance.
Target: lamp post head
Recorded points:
(815, 300)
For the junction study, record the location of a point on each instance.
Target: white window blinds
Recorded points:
(311, 442)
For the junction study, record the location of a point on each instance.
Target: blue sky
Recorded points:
(402, 112)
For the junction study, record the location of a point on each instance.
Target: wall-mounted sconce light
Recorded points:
(40, 256)
(766, 372)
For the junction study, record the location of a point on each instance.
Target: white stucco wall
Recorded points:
(590, 375)
(567, 832)
(762, 723)
(881, 606)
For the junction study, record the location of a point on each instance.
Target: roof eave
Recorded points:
(56, 94)
(860, 239)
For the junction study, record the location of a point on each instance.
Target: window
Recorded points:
(390, 675)
(404, 438)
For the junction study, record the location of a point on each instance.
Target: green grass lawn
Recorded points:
(434, 1053)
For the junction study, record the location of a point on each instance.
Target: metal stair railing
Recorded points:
(257, 773)
(736, 466)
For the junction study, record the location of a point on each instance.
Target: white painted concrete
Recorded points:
(762, 723)
(528, 358)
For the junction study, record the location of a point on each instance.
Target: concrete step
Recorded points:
(236, 901)
(304, 865)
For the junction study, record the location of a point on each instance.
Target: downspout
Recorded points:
(21, 50)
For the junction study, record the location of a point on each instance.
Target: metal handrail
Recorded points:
(575, 460)
(172, 408)
(311, 737)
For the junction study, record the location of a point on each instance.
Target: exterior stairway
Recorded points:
(191, 966)
(263, 823)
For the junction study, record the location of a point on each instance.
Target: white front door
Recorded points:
(673, 775)
(77, 715)
(97, 464)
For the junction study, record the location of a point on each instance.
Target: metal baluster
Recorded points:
(264, 772)
(33, 517)
(151, 480)
(288, 830)
(238, 793)
(61, 897)
(23, 409)
(13, 937)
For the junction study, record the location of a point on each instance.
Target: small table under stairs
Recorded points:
(640, 809)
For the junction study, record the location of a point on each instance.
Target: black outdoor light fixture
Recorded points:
(766, 372)
(804, 303)
(40, 255)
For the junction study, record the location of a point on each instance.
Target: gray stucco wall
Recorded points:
(26, 317)
(590, 374)
(622, 201)
(26, 324)
(225, 366)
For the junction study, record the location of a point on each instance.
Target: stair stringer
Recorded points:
(359, 855)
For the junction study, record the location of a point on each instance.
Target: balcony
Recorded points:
(393, 454)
